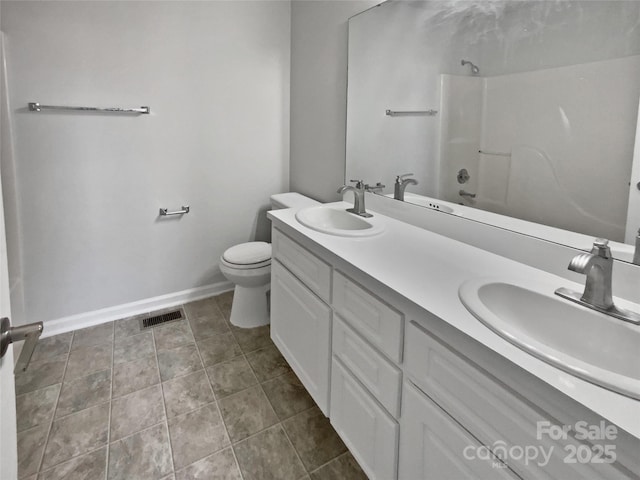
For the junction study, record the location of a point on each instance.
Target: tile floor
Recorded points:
(195, 399)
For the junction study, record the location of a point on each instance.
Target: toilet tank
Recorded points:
(291, 200)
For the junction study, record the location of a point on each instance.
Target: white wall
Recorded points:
(216, 76)
(319, 94)
(570, 131)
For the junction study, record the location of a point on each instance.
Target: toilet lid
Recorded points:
(248, 253)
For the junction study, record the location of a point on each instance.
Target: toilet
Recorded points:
(248, 266)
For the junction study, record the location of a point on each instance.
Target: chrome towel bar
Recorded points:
(398, 113)
(497, 154)
(164, 212)
(36, 107)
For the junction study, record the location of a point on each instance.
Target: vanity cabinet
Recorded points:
(494, 413)
(408, 393)
(301, 321)
(370, 433)
(432, 444)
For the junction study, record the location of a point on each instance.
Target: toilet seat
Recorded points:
(250, 266)
(247, 256)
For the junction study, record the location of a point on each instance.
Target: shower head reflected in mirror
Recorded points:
(474, 69)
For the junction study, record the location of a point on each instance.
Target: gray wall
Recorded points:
(319, 95)
(89, 186)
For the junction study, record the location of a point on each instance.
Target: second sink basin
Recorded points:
(335, 220)
(583, 342)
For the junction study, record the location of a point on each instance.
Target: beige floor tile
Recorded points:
(50, 347)
(96, 335)
(146, 454)
(218, 348)
(132, 348)
(187, 393)
(30, 447)
(219, 466)
(314, 438)
(133, 376)
(41, 374)
(246, 413)
(36, 407)
(77, 434)
(86, 360)
(268, 456)
(196, 435)
(91, 466)
(178, 361)
(84, 392)
(287, 395)
(231, 376)
(268, 363)
(343, 467)
(136, 411)
(173, 335)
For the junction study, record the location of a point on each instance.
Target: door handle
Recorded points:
(30, 333)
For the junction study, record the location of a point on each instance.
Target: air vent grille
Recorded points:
(161, 319)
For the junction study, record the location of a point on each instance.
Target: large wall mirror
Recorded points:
(523, 114)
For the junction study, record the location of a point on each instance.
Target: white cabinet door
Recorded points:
(369, 432)
(434, 447)
(301, 329)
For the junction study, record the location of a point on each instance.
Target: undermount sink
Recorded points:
(335, 220)
(591, 345)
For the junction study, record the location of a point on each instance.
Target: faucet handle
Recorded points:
(359, 184)
(601, 248)
(378, 187)
(401, 178)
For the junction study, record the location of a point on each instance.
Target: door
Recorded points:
(8, 435)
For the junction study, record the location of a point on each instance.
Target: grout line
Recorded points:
(113, 349)
(82, 410)
(128, 435)
(286, 434)
(224, 423)
(46, 443)
(90, 452)
(164, 406)
(343, 454)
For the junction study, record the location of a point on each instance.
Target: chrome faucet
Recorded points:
(597, 295)
(598, 267)
(401, 185)
(358, 197)
(636, 253)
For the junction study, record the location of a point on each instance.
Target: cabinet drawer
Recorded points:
(495, 414)
(376, 321)
(301, 329)
(433, 445)
(314, 273)
(366, 429)
(380, 376)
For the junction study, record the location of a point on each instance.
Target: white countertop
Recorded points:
(427, 269)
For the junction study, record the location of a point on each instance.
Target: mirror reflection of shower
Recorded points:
(474, 68)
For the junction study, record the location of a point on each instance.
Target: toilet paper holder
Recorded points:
(164, 212)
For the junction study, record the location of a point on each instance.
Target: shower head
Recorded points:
(474, 69)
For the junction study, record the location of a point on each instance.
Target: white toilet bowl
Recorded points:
(248, 266)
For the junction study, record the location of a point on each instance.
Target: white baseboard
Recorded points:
(96, 317)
